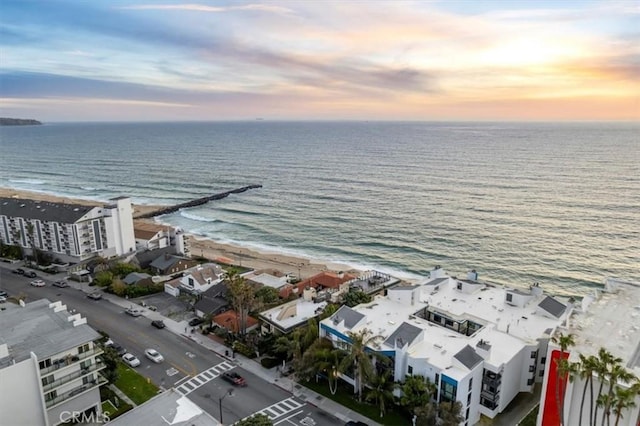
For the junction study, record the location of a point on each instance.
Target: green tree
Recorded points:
(255, 420)
(329, 310)
(358, 358)
(605, 361)
(426, 415)
(625, 399)
(243, 298)
(103, 278)
(322, 358)
(290, 346)
(381, 391)
(356, 297)
(450, 413)
(110, 358)
(267, 295)
(617, 373)
(586, 367)
(416, 392)
(562, 370)
(123, 269)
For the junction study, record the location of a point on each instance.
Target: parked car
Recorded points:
(119, 349)
(195, 321)
(234, 378)
(30, 274)
(355, 423)
(153, 355)
(60, 283)
(18, 271)
(38, 283)
(158, 324)
(4, 293)
(134, 312)
(3, 299)
(131, 360)
(95, 295)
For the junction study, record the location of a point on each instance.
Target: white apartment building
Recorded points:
(49, 365)
(609, 319)
(479, 343)
(154, 236)
(68, 232)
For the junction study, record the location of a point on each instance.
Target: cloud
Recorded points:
(194, 7)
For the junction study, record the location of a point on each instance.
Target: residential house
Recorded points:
(268, 277)
(287, 317)
(480, 344)
(212, 301)
(153, 236)
(229, 320)
(49, 365)
(323, 280)
(139, 278)
(168, 264)
(68, 232)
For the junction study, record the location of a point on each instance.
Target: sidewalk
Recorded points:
(272, 376)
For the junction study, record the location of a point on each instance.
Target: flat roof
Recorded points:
(610, 320)
(37, 328)
(506, 328)
(167, 408)
(290, 314)
(43, 210)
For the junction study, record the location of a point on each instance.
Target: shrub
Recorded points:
(270, 362)
(243, 349)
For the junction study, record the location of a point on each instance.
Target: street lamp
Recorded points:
(228, 393)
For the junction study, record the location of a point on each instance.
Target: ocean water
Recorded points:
(557, 204)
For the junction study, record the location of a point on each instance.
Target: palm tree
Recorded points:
(416, 392)
(587, 366)
(381, 390)
(358, 358)
(243, 298)
(290, 346)
(322, 358)
(617, 373)
(562, 368)
(625, 399)
(605, 360)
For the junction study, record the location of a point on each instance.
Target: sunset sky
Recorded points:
(320, 60)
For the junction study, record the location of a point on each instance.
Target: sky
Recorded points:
(320, 60)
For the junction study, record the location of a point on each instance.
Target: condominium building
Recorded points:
(49, 365)
(608, 319)
(481, 344)
(68, 232)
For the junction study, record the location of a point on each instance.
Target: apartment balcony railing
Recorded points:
(70, 360)
(75, 392)
(73, 376)
(491, 396)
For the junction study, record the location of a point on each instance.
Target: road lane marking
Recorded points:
(172, 372)
(286, 406)
(204, 377)
(287, 418)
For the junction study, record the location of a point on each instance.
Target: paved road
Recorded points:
(188, 367)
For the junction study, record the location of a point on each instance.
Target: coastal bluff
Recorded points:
(5, 121)
(196, 202)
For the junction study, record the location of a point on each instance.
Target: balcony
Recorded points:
(75, 392)
(491, 396)
(73, 376)
(70, 360)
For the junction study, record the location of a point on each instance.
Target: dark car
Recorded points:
(234, 378)
(158, 324)
(18, 271)
(195, 321)
(355, 423)
(30, 274)
(119, 349)
(4, 293)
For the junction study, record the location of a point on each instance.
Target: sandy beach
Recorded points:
(210, 249)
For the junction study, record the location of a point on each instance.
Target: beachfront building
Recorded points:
(285, 318)
(608, 319)
(153, 236)
(196, 280)
(479, 343)
(68, 232)
(49, 365)
(168, 264)
(326, 280)
(268, 278)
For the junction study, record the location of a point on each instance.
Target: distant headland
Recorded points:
(4, 121)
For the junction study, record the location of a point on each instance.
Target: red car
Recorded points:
(235, 378)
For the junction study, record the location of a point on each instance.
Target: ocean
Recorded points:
(557, 204)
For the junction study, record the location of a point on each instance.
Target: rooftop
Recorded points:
(293, 313)
(610, 319)
(43, 328)
(43, 210)
(167, 408)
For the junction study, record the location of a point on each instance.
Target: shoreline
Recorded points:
(301, 266)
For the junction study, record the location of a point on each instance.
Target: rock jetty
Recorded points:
(5, 121)
(196, 202)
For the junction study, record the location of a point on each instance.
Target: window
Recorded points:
(448, 392)
(532, 368)
(410, 370)
(543, 360)
(459, 286)
(85, 364)
(45, 364)
(83, 348)
(469, 399)
(49, 396)
(534, 354)
(530, 382)
(47, 380)
(470, 383)
(541, 374)
(466, 416)
(509, 297)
